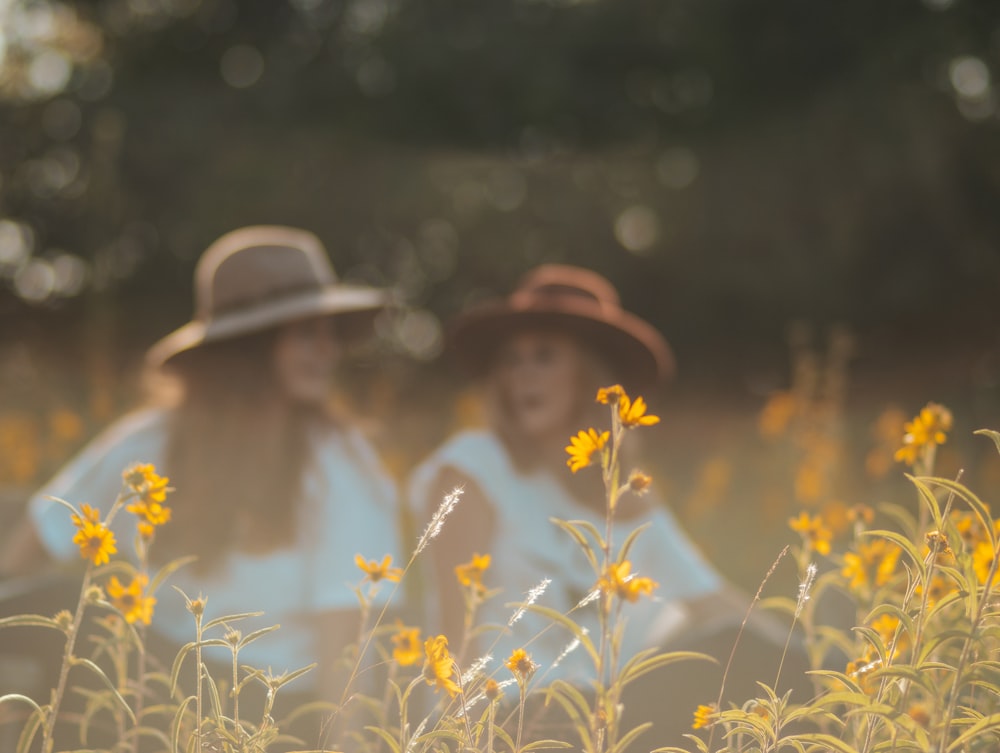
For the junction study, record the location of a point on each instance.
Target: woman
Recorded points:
(274, 495)
(543, 352)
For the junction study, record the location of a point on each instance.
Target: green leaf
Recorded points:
(182, 652)
(546, 745)
(294, 675)
(30, 729)
(167, 570)
(628, 738)
(987, 723)
(573, 694)
(906, 545)
(637, 666)
(30, 620)
(978, 506)
(107, 682)
(251, 637)
(177, 723)
(392, 742)
(11, 697)
(629, 540)
(821, 739)
(994, 435)
(581, 539)
(230, 618)
(576, 630)
(701, 745)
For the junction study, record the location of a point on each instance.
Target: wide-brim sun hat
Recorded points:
(260, 277)
(572, 299)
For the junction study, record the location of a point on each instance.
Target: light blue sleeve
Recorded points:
(94, 476)
(357, 513)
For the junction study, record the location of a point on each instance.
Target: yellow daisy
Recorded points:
(582, 447)
(130, 601)
(439, 667)
(376, 571)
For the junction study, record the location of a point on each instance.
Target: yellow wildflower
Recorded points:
(777, 414)
(376, 571)
(406, 646)
(634, 413)
(887, 626)
(873, 563)
(439, 667)
(96, 542)
(130, 601)
(920, 713)
(631, 413)
(88, 514)
(471, 573)
(612, 394)
(492, 689)
(583, 446)
(927, 430)
(143, 479)
(639, 482)
(619, 580)
(938, 589)
(810, 481)
(151, 514)
(982, 561)
(814, 533)
(861, 513)
(861, 671)
(519, 662)
(703, 716)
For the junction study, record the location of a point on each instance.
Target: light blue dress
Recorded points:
(349, 508)
(527, 547)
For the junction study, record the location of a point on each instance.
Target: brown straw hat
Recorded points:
(259, 277)
(573, 299)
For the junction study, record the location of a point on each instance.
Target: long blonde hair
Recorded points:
(236, 453)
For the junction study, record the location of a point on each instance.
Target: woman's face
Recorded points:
(538, 375)
(305, 356)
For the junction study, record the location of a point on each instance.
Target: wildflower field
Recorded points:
(907, 661)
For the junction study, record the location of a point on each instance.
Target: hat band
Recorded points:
(554, 292)
(271, 295)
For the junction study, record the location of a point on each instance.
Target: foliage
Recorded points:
(915, 672)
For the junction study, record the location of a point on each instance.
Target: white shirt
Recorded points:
(527, 547)
(349, 508)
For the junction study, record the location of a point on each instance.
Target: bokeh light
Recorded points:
(637, 228)
(241, 66)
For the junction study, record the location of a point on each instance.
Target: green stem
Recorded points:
(57, 696)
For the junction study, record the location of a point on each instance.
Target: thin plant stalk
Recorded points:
(57, 695)
(739, 636)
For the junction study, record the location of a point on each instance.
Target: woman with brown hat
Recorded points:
(543, 352)
(273, 494)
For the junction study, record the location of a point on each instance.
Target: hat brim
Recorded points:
(355, 304)
(636, 353)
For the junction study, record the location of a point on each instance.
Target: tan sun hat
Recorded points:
(258, 277)
(573, 299)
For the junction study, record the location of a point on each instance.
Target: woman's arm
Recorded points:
(467, 530)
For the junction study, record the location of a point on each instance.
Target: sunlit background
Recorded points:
(803, 196)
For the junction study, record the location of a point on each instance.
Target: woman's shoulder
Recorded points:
(475, 455)
(470, 446)
(140, 435)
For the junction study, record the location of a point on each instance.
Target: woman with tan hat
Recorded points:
(273, 494)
